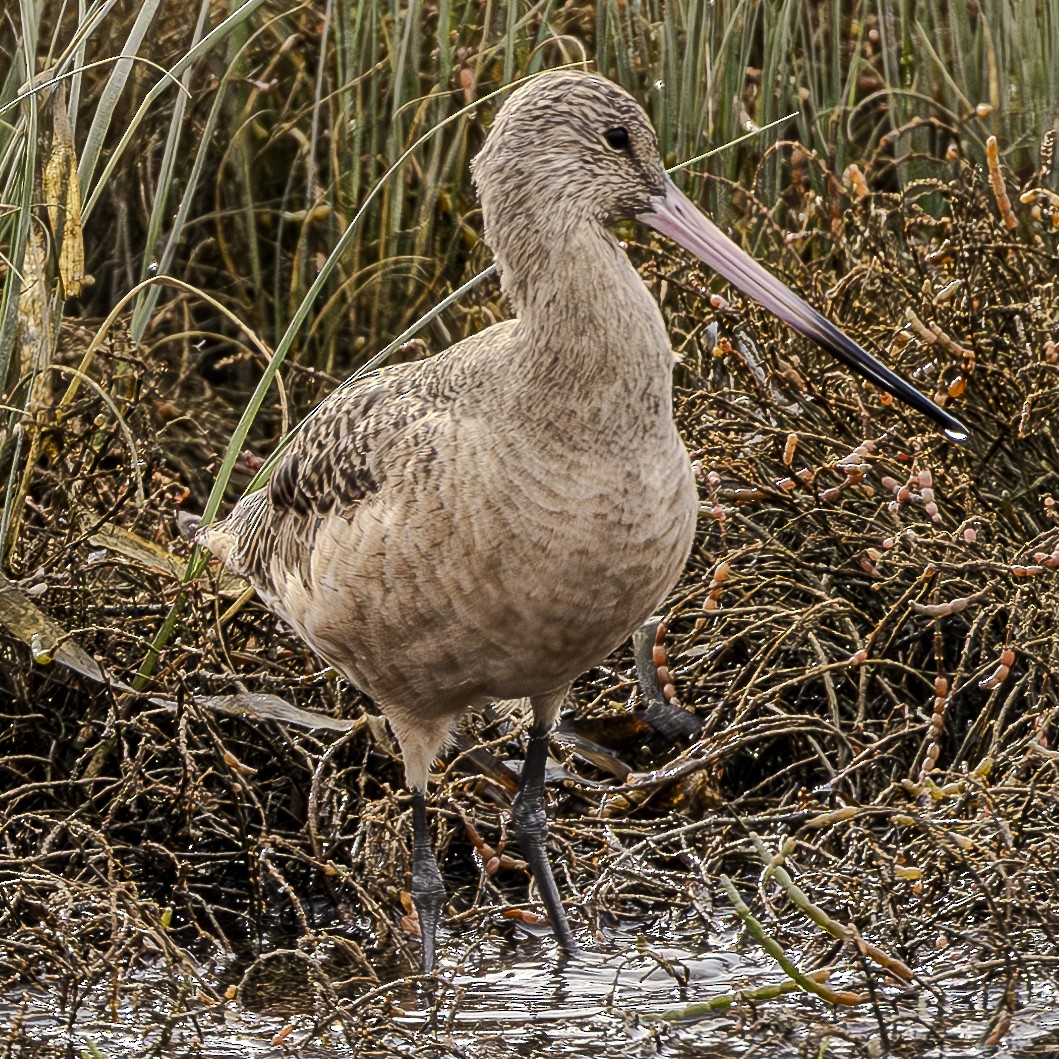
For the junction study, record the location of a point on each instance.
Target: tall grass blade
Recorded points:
(108, 102)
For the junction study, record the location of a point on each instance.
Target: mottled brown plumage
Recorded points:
(490, 523)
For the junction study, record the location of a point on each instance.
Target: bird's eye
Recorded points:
(618, 138)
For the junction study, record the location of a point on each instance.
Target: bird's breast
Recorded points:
(562, 557)
(449, 588)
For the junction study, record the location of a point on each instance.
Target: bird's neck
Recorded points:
(592, 334)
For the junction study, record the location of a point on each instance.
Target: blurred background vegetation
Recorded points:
(238, 144)
(210, 212)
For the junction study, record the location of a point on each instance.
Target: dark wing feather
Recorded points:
(328, 464)
(343, 453)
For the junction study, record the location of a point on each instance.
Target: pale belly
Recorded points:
(513, 592)
(560, 605)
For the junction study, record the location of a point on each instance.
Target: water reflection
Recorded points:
(519, 998)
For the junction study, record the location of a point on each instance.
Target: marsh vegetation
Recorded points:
(199, 240)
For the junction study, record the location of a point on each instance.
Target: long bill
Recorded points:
(673, 214)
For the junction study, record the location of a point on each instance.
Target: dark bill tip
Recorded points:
(675, 216)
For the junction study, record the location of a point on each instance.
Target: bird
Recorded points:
(491, 522)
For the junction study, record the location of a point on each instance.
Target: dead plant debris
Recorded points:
(865, 632)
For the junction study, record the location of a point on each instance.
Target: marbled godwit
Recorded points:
(490, 523)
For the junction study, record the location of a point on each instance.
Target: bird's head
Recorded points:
(570, 147)
(575, 142)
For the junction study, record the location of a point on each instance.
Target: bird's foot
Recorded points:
(530, 818)
(428, 888)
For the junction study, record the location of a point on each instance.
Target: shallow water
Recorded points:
(525, 1001)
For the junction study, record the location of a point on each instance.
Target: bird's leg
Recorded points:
(656, 689)
(530, 818)
(647, 647)
(428, 890)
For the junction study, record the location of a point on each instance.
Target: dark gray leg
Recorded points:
(428, 890)
(531, 825)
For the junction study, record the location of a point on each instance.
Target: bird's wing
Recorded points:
(357, 440)
(365, 430)
(340, 456)
(331, 462)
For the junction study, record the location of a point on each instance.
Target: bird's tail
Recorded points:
(215, 537)
(234, 540)
(188, 524)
